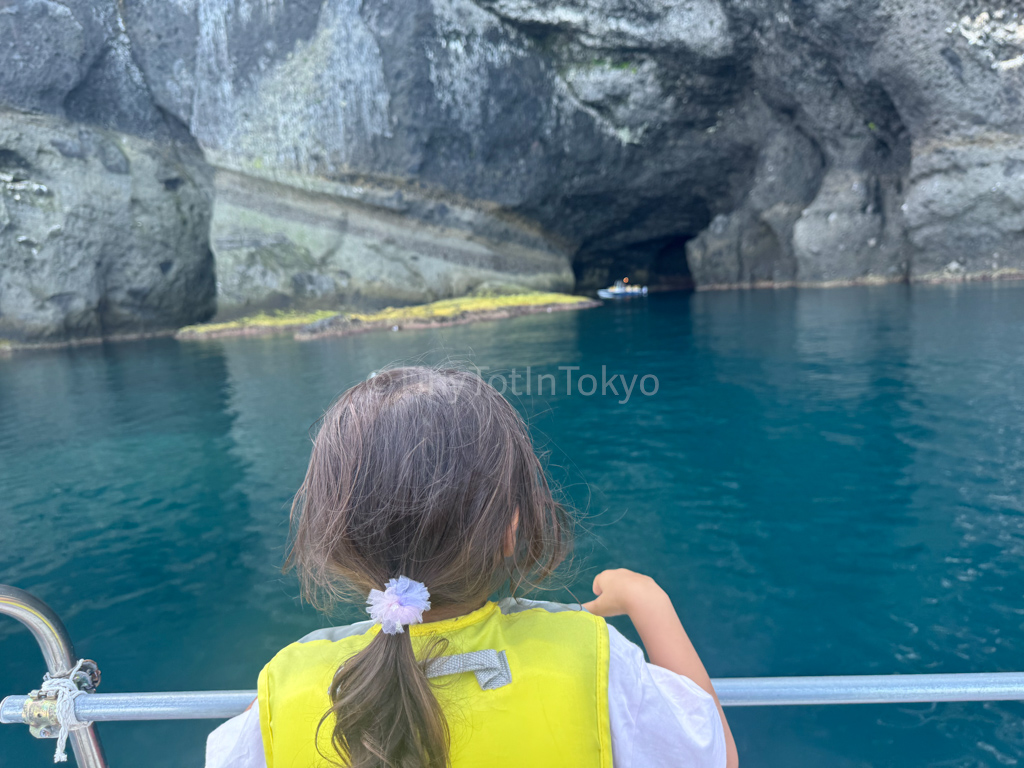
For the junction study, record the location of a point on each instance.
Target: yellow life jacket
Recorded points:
(538, 698)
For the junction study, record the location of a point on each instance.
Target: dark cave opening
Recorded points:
(659, 263)
(670, 266)
(645, 241)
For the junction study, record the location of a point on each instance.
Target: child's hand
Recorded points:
(649, 608)
(621, 591)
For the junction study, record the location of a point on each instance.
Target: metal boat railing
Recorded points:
(733, 692)
(59, 653)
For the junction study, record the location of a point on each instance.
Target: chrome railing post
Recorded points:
(59, 654)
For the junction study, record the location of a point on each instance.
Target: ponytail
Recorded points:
(385, 712)
(431, 474)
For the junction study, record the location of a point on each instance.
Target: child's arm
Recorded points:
(649, 608)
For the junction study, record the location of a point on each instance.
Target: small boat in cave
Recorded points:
(622, 290)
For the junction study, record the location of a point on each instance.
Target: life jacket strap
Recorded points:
(490, 667)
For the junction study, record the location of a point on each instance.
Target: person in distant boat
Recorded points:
(621, 289)
(425, 498)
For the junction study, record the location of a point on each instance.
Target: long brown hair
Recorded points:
(429, 474)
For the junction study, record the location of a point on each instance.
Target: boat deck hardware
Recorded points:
(59, 654)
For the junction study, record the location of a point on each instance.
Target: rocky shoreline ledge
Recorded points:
(437, 314)
(305, 326)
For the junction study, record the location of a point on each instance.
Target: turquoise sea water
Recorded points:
(827, 482)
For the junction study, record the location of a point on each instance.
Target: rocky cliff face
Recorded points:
(100, 233)
(104, 201)
(376, 150)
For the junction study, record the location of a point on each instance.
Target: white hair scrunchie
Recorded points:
(402, 602)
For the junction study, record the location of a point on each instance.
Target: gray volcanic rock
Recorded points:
(42, 53)
(754, 244)
(622, 130)
(841, 235)
(100, 233)
(74, 59)
(450, 101)
(699, 26)
(964, 208)
(371, 150)
(278, 246)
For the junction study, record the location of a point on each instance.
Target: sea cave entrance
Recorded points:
(659, 263)
(647, 244)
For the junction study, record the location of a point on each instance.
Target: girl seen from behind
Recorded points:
(424, 496)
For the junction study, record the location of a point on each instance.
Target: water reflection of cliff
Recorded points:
(118, 510)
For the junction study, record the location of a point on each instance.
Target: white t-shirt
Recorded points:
(658, 719)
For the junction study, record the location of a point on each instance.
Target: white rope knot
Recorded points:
(66, 690)
(402, 602)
